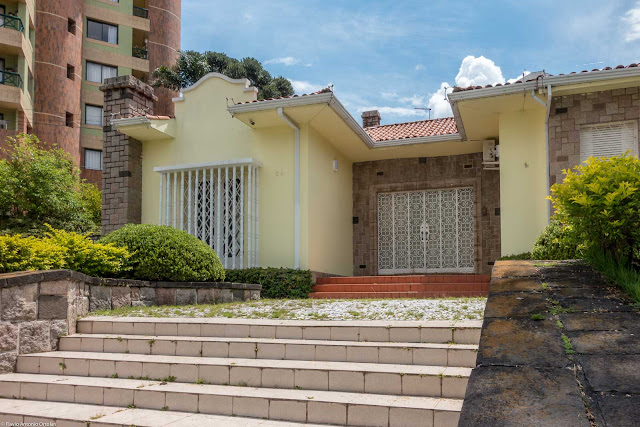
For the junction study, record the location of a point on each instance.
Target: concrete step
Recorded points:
(79, 415)
(460, 332)
(300, 406)
(398, 295)
(463, 355)
(374, 378)
(422, 278)
(404, 287)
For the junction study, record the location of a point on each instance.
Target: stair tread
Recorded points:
(225, 390)
(113, 415)
(279, 341)
(260, 363)
(291, 323)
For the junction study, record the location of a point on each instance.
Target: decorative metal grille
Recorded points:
(426, 231)
(216, 203)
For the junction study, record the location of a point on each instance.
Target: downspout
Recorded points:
(296, 226)
(547, 105)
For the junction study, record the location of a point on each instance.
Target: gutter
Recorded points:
(130, 121)
(296, 226)
(547, 106)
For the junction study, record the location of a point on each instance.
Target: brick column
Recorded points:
(124, 96)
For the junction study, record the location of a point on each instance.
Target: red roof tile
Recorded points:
(149, 116)
(462, 89)
(325, 90)
(434, 127)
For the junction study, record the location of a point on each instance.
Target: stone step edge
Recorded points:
(299, 395)
(14, 410)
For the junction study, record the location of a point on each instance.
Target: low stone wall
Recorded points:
(38, 307)
(559, 347)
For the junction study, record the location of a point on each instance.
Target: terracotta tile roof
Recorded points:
(461, 89)
(149, 116)
(325, 90)
(434, 127)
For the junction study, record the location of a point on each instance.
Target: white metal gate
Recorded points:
(426, 231)
(217, 203)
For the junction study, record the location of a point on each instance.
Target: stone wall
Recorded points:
(38, 307)
(371, 178)
(569, 113)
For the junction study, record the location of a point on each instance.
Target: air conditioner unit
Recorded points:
(490, 155)
(4, 124)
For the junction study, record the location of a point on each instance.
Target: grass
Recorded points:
(568, 347)
(308, 309)
(627, 278)
(517, 257)
(537, 316)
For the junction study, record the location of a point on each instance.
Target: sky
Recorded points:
(395, 55)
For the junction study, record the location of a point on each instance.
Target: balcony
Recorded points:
(12, 22)
(141, 12)
(140, 52)
(10, 78)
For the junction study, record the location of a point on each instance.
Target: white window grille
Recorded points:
(217, 203)
(608, 140)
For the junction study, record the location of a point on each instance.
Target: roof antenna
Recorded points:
(424, 109)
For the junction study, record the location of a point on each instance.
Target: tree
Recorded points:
(39, 184)
(191, 66)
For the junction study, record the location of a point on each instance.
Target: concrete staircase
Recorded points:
(422, 286)
(237, 372)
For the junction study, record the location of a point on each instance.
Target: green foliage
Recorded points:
(517, 257)
(60, 249)
(600, 200)
(276, 282)
(39, 185)
(625, 276)
(191, 66)
(557, 242)
(165, 253)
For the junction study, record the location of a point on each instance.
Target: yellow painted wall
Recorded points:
(330, 208)
(206, 132)
(523, 204)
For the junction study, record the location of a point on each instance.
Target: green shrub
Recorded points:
(39, 184)
(600, 200)
(516, 257)
(556, 242)
(276, 282)
(164, 253)
(61, 250)
(625, 276)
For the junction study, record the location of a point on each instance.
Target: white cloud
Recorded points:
(438, 102)
(415, 100)
(395, 111)
(301, 86)
(524, 73)
(478, 71)
(419, 67)
(632, 21)
(389, 95)
(287, 60)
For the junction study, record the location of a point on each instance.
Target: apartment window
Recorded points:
(101, 31)
(71, 26)
(93, 115)
(607, 140)
(92, 159)
(69, 120)
(71, 72)
(98, 72)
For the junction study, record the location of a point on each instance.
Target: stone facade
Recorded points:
(124, 96)
(38, 307)
(570, 113)
(371, 178)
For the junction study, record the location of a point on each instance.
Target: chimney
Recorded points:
(370, 119)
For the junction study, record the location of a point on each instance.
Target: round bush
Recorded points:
(556, 242)
(163, 253)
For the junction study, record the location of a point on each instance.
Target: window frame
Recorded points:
(90, 150)
(102, 67)
(104, 31)
(101, 107)
(635, 150)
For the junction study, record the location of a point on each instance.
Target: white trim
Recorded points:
(236, 162)
(419, 140)
(245, 82)
(130, 121)
(319, 98)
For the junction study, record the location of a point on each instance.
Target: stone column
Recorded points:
(124, 97)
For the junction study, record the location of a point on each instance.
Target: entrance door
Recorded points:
(428, 231)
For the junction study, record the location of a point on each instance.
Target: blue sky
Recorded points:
(395, 55)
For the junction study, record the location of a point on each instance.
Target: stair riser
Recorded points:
(454, 278)
(403, 287)
(328, 353)
(286, 378)
(396, 295)
(334, 333)
(309, 411)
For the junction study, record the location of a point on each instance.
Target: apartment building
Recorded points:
(54, 55)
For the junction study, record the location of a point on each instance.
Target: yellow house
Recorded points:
(298, 182)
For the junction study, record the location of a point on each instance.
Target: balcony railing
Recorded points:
(10, 78)
(140, 52)
(10, 21)
(141, 12)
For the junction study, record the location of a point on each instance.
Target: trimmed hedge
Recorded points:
(557, 242)
(160, 252)
(276, 282)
